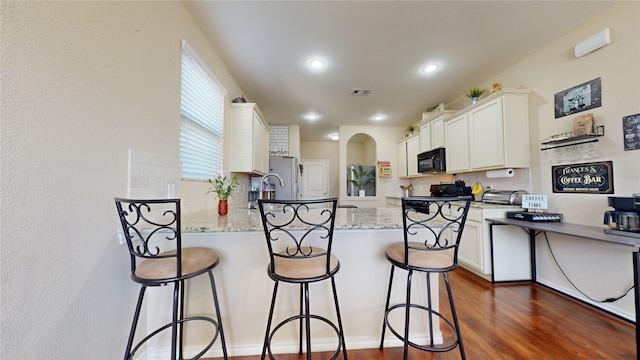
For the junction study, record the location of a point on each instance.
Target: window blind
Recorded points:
(202, 119)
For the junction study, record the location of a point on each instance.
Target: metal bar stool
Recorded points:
(432, 232)
(152, 231)
(299, 235)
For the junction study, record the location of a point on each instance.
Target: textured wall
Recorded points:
(82, 84)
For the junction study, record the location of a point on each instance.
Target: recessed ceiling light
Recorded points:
(312, 116)
(316, 64)
(378, 117)
(430, 68)
(335, 137)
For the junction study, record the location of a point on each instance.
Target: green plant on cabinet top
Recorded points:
(475, 92)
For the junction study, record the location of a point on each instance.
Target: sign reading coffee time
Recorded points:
(592, 178)
(537, 202)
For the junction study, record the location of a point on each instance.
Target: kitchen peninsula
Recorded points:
(244, 289)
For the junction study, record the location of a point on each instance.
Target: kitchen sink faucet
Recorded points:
(264, 178)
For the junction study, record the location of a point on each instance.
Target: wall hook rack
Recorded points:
(571, 139)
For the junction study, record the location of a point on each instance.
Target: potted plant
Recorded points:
(410, 129)
(362, 178)
(223, 187)
(474, 93)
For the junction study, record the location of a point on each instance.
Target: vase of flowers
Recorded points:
(223, 187)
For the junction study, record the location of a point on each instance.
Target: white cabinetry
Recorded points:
(407, 153)
(249, 140)
(432, 134)
(413, 149)
(425, 137)
(437, 133)
(491, 134)
(402, 159)
(457, 140)
(474, 252)
(470, 251)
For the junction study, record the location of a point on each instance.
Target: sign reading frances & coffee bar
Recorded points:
(587, 178)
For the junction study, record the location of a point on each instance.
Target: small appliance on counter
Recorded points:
(252, 196)
(451, 190)
(505, 197)
(536, 206)
(625, 219)
(534, 216)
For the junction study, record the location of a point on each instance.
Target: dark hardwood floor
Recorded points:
(518, 321)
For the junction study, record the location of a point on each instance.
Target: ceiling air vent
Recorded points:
(360, 92)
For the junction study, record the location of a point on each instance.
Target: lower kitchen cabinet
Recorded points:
(470, 251)
(474, 252)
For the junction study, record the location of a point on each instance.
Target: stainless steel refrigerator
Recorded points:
(352, 190)
(287, 168)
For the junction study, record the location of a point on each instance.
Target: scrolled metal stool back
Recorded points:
(434, 222)
(299, 229)
(151, 227)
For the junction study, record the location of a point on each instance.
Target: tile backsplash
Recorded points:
(422, 185)
(150, 175)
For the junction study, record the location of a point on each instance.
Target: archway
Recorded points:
(361, 150)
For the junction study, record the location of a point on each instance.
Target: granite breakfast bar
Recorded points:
(244, 289)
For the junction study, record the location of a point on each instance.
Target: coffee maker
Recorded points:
(625, 219)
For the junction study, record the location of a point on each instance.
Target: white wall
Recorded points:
(82, 84)
(600, 270)
(555, 68)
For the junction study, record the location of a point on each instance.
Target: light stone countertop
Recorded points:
(479, 204)
(241, 220)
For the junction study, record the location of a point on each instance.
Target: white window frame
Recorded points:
(202, 103)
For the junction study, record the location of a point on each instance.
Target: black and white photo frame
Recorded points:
(579, 98)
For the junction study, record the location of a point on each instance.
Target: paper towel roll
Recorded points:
(504, 173)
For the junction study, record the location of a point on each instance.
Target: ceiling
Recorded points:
(377, 45)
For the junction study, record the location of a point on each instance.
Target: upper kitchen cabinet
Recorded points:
(249, 140)
(432, 133)
(408, 151)
(425, 137)
(457, 143)
(492, 134)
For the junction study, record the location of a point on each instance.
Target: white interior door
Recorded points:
(315, 179)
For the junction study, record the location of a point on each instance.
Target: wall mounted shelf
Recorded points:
(571, 139)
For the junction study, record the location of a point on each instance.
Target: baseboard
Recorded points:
(353, 343)
(579, 297)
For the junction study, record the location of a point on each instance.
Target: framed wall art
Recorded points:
(279, 141)
(578, 98)
(586, 178)
(631, 129)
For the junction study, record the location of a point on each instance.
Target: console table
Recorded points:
(583, 231)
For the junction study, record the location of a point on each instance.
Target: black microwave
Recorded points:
(432, 161)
